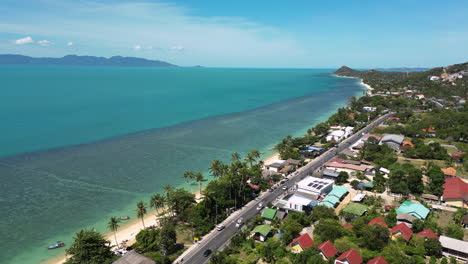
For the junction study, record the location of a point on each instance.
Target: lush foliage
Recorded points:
(89, 247)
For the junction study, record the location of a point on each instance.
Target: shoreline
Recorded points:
(367, 86)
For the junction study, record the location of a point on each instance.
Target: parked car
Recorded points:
(220, 227)
(284, 188)
(207, 252)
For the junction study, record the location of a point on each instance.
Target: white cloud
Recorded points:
(137, 47)
(177, 48)
(45, 42)
(25, 40)
(70, 43)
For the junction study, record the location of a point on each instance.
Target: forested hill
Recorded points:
(75, 60)
(446, 81)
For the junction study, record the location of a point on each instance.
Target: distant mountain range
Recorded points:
(75, 60)
(403, 69)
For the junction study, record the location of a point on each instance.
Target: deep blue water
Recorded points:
(80, 144)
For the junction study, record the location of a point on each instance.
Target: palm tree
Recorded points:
(199, 178)
(141, 211)
(215, 168)
(188, 175)
(255, 153)
(250, 158)
(112, 226)
(167, 190)
(157, 202)
(235, 156)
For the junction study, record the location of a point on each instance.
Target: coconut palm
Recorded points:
(255, 153)
(235, 156)
(113, 225)
(167, 190)
(188, 175)
(141, 211)
(199, 178)
(157, 202)
(250, 158)
(215, 168)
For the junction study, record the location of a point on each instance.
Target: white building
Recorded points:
(315, 186)
(338, 133)
(369, 108)
(434, 78)
(452, 247)
(296, 201)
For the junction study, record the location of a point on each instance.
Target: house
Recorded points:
(269, 214)
(434, 78)
(412, 208)
(338, 133)
(286, 170)
(327, 250)
(335, 196)
(275, 166)
(355, 209)
(367, 136)
(458, 157)
(378, 221)
(261, 232)
(449, 172)
(330, 174)
(315, 186)
(297, 201)
(427, 233)
(369, 108)
(455, 192)
(293, 162)
(401, 230)
(345, 167)
(133, 257)
(301, 243)
(420, 96)
(454, 248)
(349, 257)
(349, 153)
(377, 260)
(407, 144)
(430, 198)
(392, 140)
(429, 132)
(406, 218)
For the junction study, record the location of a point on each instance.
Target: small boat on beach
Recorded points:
(193, 183)
(59, 244)
(123, 217)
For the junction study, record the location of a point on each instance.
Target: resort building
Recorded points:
(327, 250)
(392, 140)
(454, 248)
(415, 209)
(349, 257)
(377, 260)
(455, 192)
(301, 243)
(401, 230)
(261, 232)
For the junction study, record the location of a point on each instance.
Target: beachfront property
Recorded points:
(349, 257)
(455, 192)
(338, 133)
(454, 248)
(276, 166)
(261, 232)
(392, 140)
(412, 208)
(134, 258)
(334, 197)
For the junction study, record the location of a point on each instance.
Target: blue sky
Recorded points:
(302, 34)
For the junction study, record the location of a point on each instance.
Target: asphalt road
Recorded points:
(216, 240)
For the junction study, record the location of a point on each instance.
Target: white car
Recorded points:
(260, 206)
(239, 222)
(284, 188)
(220, 227)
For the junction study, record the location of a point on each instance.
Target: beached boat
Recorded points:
(193, 183)
(57, 245)
(123, 217)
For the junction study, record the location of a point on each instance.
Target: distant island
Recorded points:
(75, 60)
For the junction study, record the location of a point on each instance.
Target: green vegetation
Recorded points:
(90, 247)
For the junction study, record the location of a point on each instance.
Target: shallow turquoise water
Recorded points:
(96, 140)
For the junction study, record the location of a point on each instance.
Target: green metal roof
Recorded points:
(327, 204)
(338, 191)
(331, 199)
(415, 209)
(269, 213)
(262, 229)
(356, 209)
(369, 185)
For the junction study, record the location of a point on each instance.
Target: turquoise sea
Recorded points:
(81, 144)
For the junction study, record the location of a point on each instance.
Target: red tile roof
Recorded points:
(430, 130)
(449, 171)
(378, 220)
(377, 260)
(352, 256)
(304, 240)
(455, 188)
(348, 226)
(458, 155)
(407, 143)
(253, 186)
(428, 233)
(372, 135)
(328, 249)
(404, 230)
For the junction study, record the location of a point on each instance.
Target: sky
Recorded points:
(270, 34)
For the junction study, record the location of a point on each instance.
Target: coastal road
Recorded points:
(216, 240)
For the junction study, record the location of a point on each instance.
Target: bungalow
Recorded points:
(392, 140)
(261, 232)
(430, 132)
(327, 250)
(301, 243)
(334, 197)
(455, 192)
(269, 214)
(401, 230)
(379, 221)
(355, 209)
(415, 209)
(377, 260)
(134, 258)
(449, 172)
(349, 257)
(458, 157)
(369, 108)
(454, 248)
(427, 233)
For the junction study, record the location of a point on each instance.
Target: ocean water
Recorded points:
(81, 144)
